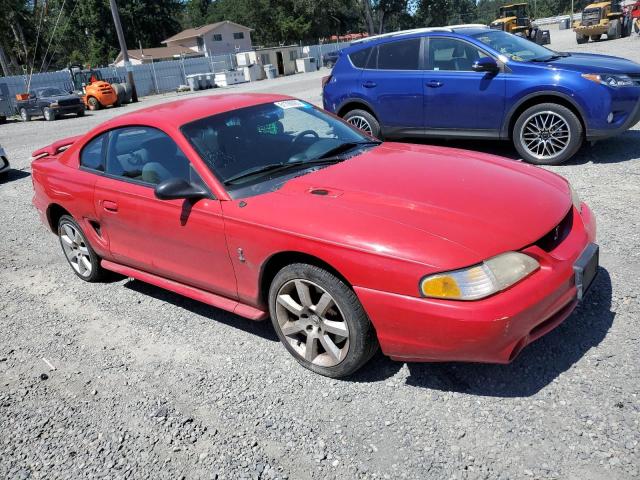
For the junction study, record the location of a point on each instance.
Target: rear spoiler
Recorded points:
(56, 147)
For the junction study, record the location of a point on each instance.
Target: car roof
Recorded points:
(180, 112)
(467, 29)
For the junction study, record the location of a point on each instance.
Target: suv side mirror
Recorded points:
(485, 64)
(176, 188)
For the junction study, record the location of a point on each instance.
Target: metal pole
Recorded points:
(123, 48)
(571, 19)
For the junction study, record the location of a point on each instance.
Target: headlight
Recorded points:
(53, 104)
(479, 281)
(575, 199)
(613, 81)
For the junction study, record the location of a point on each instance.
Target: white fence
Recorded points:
(151, 78)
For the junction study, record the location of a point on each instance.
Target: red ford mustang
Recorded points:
(264, 205)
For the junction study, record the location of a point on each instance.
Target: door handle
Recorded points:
(369, 84)
(434, 84)
(110, 206)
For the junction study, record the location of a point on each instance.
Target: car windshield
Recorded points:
(50, 92)
(514, 47)
(255, 143)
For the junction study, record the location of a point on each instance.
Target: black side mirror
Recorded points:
(485, 64)
(176, 188)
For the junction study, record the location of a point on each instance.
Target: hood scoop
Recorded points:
(325, 192)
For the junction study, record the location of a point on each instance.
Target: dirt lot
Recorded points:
(148, 384)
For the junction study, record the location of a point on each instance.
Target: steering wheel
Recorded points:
(304, 133)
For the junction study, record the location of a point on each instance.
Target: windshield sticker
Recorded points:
(291, 104)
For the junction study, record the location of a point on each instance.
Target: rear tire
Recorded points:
(93, 103)
(83, 260)
(596, 38)
(547, 134)
(320, 321)
(580, 39)
(363, 120)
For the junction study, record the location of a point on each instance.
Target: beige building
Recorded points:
(282, 58)
(213, 39)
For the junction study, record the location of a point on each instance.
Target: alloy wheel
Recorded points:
(545, 134)
(76, 250)
(312, 323)
(361, 123)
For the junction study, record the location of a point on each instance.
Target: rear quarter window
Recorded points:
(359, 58)
(92, 155)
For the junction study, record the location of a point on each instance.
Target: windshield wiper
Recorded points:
(345, 147)
(555, 56)
(327, 157)
(278, 167)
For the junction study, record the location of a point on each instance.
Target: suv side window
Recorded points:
(359, 58)
(400, 55)
(451, 54)
(92, 154)
(147, 155)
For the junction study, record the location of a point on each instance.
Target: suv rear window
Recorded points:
(402, 55)
(359, 58)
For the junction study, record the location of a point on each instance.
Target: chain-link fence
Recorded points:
(150, 78)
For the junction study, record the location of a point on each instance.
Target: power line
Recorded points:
(52, 34)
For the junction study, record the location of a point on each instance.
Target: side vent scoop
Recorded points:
(325, 192)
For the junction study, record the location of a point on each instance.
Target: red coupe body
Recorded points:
(381, 220)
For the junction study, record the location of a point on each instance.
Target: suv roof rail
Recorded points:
(449, 28)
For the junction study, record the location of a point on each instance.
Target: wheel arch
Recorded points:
(536, 99)
(55, 211)
(353, 104)
(278, 261)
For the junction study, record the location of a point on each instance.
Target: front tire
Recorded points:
(24, 115)
(48, 114)
(320, 321)
(83, 260)
(580, 39)
(363, 120)
(547, 134)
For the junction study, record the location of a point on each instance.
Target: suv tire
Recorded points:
(547, 134)
(364, 121)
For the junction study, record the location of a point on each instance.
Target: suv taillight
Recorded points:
(326, 80)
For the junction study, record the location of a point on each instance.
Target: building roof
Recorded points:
(159, 53)
(198, 31)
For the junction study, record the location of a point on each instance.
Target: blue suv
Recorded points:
(475, 82)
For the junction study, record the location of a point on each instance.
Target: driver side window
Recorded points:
(146, 155)
(450, 54)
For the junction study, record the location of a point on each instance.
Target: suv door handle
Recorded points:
(369, 84)
(434, 84)
(110, 206)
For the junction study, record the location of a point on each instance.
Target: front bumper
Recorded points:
(625, 105)
(492, 330)
(65, 109)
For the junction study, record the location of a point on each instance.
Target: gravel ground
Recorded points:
(148, 384)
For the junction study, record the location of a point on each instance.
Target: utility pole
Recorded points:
(123, 47)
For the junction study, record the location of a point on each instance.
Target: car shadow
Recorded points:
(538, 364)
(263, 329)
(12, 175)
(620, 148)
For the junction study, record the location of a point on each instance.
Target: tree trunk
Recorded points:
(368, 16)
(6, 71)
(382, 19)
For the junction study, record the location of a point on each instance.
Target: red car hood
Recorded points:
(405, 199)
